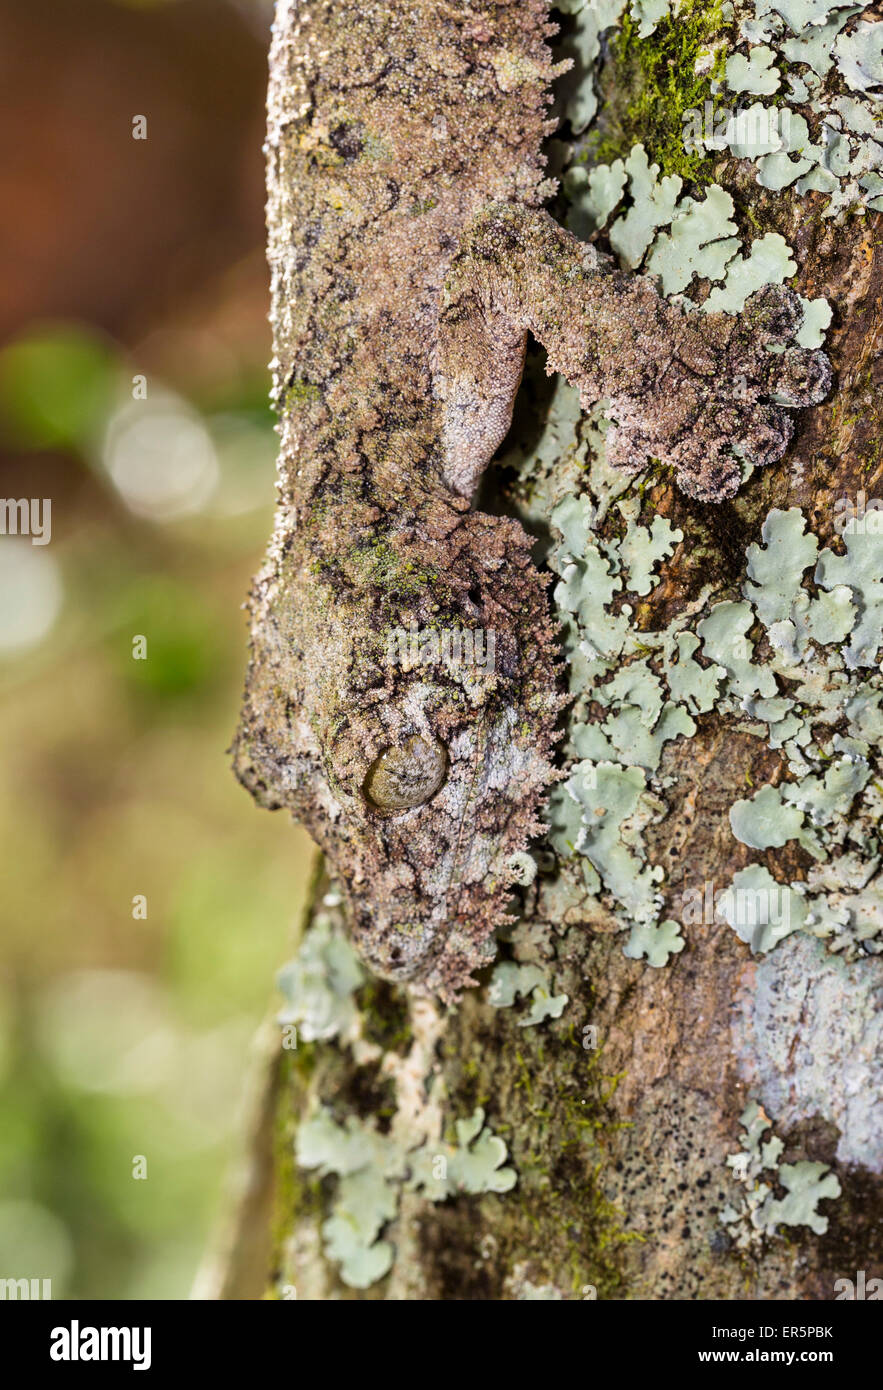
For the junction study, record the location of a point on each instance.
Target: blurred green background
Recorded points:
(133, 394)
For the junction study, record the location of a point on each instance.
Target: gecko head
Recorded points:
(413, 738)
(438, 786)
(404, 772)
(398, 928)
(417, 849)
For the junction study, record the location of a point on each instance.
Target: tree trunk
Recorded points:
(620, 1109)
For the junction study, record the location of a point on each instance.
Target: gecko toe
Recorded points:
(709, 477)
(802, 377)
(766, 434)
(773, 313)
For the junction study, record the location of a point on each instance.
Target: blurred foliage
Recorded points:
(120, 1036)
(56, 386)
(133, 395)
(186, 649)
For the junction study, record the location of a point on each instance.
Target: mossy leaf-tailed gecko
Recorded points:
(410, 258)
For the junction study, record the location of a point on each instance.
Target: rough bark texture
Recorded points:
(620, 1148)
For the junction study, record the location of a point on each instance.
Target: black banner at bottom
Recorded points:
(272, 1339)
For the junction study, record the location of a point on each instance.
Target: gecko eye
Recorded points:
(408, 774)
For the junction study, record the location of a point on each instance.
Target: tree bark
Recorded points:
(619, 1115)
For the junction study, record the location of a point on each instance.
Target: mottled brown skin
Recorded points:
(409, 260)
(681, 387)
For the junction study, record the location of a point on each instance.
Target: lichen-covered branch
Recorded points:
(612, 867)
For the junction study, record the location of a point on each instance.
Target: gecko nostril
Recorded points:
(405, 775)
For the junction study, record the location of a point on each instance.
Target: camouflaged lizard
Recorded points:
(410, 258)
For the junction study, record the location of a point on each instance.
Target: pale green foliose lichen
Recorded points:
(755, 73)
(765, 822)
(832, 808)
(511, 981)
(653, 203)
(372, 1171)
(700, 242)
(373, 1168)
(642, 549)
(759, 1211)
(319, 983)
(648, 686)
(582, 47)
(826, 51)
(656, 943)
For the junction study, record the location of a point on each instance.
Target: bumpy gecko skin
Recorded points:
(682, 387)
(409, 261)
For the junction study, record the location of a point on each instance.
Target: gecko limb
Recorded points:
(694, 390)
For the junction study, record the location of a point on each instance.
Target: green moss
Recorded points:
(380, 564)
(650, 83)
(561, 1128)
(377, 148)
(299, 393)
(385, 1019)
(294, 1195)
(588, 1223)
